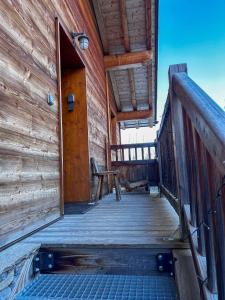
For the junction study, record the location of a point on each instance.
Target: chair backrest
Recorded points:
(94, 166)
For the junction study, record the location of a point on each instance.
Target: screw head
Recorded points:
(50, 266)
(37, 269)
(170, 262)
(37, 259)
(160, 257)
(171, 274)
(50, 255)
(161, 268)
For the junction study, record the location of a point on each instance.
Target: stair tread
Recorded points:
(111, 287)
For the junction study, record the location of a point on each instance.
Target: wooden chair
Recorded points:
(101, 175)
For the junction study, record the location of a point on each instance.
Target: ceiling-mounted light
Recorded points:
(81, 39)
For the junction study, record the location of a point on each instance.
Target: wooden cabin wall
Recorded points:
(96, 87)
(29, 128)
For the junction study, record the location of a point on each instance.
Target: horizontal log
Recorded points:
(137, 145)
(127, 60)
(133, 162)
(134, 115)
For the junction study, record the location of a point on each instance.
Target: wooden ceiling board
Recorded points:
(134, 3)
(128, 26)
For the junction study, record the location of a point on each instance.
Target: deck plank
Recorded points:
(138, 220)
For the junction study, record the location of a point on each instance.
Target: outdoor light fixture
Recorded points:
(81, 39)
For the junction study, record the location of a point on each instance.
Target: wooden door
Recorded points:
(75, 137)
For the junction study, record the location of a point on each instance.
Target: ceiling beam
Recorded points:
(134, 115)
(115, 90)
(148, 23)
(132, 88)
(123, 16)
(127, 60)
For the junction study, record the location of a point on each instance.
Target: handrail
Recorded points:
(206, 116)
(198, 138)
(124, 152)
(137, 145)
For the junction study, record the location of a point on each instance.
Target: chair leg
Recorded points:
(117, 186)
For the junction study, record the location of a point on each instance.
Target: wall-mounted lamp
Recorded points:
(81, 39)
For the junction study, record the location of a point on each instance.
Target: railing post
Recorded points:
(200, 193)
(149, 153)
(116, 154)
(159, 160)
(129, 154)
(142, 153)
(191, 168)
(135, 152)
(220, 233)
(179, 145)
(208, 219)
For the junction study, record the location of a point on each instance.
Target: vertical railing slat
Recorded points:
(179, 147)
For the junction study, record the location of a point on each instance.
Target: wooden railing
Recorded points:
(133, 152)
(136, 162)
(167, 169)
(198, 126)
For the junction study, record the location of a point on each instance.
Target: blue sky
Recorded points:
(190, 31)
(193, 31)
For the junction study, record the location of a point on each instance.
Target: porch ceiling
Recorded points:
(128, 31)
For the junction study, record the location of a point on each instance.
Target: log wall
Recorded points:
(29, 127)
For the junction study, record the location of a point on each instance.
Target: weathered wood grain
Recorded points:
(29, 127)
(136, 221)
(127, 60)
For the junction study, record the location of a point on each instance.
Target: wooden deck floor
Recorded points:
(138, 220)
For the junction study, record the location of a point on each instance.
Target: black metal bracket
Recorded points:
(165, 263)
(43, 262)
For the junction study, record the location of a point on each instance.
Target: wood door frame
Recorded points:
(60, 26)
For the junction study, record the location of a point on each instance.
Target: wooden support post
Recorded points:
(179, 145)
(109, 138)
(113, 130)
